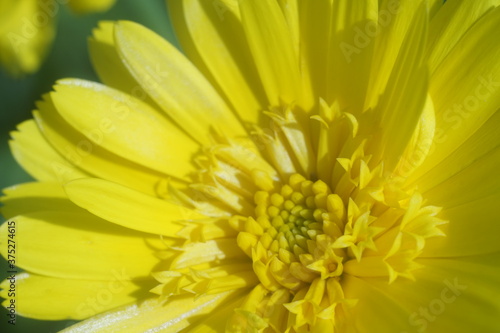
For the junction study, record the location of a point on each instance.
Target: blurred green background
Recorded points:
(67, 58)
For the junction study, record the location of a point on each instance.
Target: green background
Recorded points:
(67, 58)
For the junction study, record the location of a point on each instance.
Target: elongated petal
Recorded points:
(449, 289)
(313, 34)
(76, 245)
(394, 20)
(463, 169)
(216, 322)
(450, 24)
(469, 182)
(125, 126)
(154, 316)
(272, 48)
(81, 152)
(472, 229)
(40, 297)
(38, 157)
(108, 65)
(33, 197)
(464, 106)
(127, 207)
(350, 53)
(174, 83)
(198, 253)
(213, 39)
(434, 7)
(404, 99)
(370, 307)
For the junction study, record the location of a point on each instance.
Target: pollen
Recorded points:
(290, 237)
(303, 239)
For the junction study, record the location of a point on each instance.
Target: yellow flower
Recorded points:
(27, 29)
(319, 166)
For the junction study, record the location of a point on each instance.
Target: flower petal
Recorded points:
(198, 253)
(213, 39)
(313, 34)
(350, 57)
(143, 212)
(404, 99)
(40, 297)
(394, 20)
(477, 150)
(33, 197)
(155, 316)
(464, 288)
(464, 106)
(473, 228)
(272, 47)
(38, 157)
(450, 24)
(108, 65)
(470, 182)
(125, 126)
(78, 245)
(174, 83)
(217, 321)
(372, 305)
(95, 160)
(434, 7)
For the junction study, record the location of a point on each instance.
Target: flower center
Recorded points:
(304, 238)
(291, 237)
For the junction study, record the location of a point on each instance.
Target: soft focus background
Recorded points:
(67, 58)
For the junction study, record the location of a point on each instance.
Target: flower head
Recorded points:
(302, 167)
(27, 29)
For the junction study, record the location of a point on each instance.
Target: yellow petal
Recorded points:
(81, 152)
(313, 34)
(213, 39)
(371, 306)
(450, 24)
(174, 83)
(350, 53)
(32, 197)
(155, 316)
(216, 322)
(290, 9)
(420, 144)
(271, 45)
(449, 289)
(108, 65)
(464, 106)
(38, 157)
(434, 7)
(93, 249)
(473, 228)
(461, 170)
(394, 20)
(49, 298)
(143, 213)
(125, 126)
(404, 99)
(198, 253)
(473, 182)
(90, 6)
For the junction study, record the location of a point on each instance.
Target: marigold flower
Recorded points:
(27, 29)
(319, 166)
